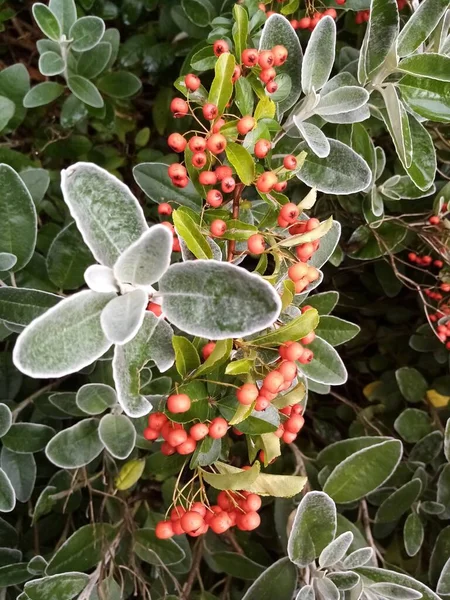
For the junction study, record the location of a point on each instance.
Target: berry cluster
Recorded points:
(266, 60)
(233, 508)
(363, 16)
(310, 23)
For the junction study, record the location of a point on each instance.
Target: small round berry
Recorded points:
(297, 271)
(156, 420)
(218, 125)
(198, 431)
(247, 393)
(179, 107)
(187, 447)
(288, 369)
(207, 178)
(199, 160)
(304, 251)
(271, 87)
(308, 338)
(191, 520)
(261, 403)
(167, 449)
(176, 437)
(280, 55)
(434, 220)
(176, 142)
(177, 172)
(262, 148)
(267, 75)
(294, 351)
(248, 521)
(294, 423)
(154, 308)
(252, 503)
(199, 508)
(312, 224)
(256, 244)
(294, 23)
(266, 59)
(289, 212)
(306, 357)
(208, 349)
(214, 198)
(164, 530)
(340, 2)
(236, 73)
(249, 57)
(438, 263)
(228, 185)
(192, 82)
(289, 437)
(164, 209)
(220, 47)
(266, 181)
(290, 162)
(216, 143)
(218, 428)
(181, 183)
(197, 144)
(304, 23)
(222, 172)
(246, 124)
(220, 523)
(218, 227)
(273, 381)
(178, 403)
(150, 434)
(280, 186)
(210, 111)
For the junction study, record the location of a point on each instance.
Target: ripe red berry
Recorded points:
(200, 508)
(438, 263)
(181, 183)
(216, 143)
(218, 227)
(306, 357)
(218, 428)
(248, 521)
(179, 107)
(199, 160)
(176, 437)
(176, 142)
(280, 55)
(187, 447)
(150, 434)
(273, 381)
(280, 186)
(294, 423)
(210, 111)
(266, 59)
(256, 244)
(434, 220)
(261, 403)
(228, 185)
(289, 437)
(271, 87)
(164, 209)
(289, 212)
(330, 12)
(191, 520)
(268, 75)
(198, 431)
(304, 23)
(308, 338)
(167, 449)
(288, 369)
(252, 503)
(214, 198)
(222, 172)
(294, 351)
(236, 73)
(247, 393)
(178, 403)
(246, 124)
(304, 251)
(340, 2)
(220, 47)
(156, 420)
(250, 57)
(220, 523)
(218, 125)
(164, 530)
(290, 162)
(177, 172)
(266, 181)
(192, 82)
(197, 144)
(208, 348)
(262, 148)
(207, 178)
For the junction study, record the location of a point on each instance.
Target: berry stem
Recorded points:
(236, 200)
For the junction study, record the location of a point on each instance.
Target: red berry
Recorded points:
(208, 348)
(290, 162)
(192, 82)
(294, 423)
(181, 183)
(210, 111)
(262, 148)
(199, 160)
(271, 87)
(280, 55)
(330, 12)
(198, 431)
(256, 244)
(268, 75)
(434, 220)
(207, 178)
(228, 185)
(179, 107)
(218, 227)
(191, 520)
(273, 381)
(438, 263)
(197, 144)
(150, 434)
(164, 209)
(176, 142)
(218, 428)
(304, 251)
(236, 73)
(246, 124)
(220, 47)
(176, 172)
(214, 198)
(266, 59)
(164, 530)
(294, 351)
(248, 521)
(297, 271)
(289, 212)
(167, 449)
(200, 508)
(250, 57)
(247, 393)
(176, 437)
(340, 2)
(289, 437)
(216, 143)
(220, 522)
(306, 357)
(288, 369)
(304, 23)
(222, 172)
(218, 125)
(187, 447)
(266, 181)
(178, 403)
(308, 338)
(157, 420)
(280, 186)
(252, 503)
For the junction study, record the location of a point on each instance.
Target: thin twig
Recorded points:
(197, 558)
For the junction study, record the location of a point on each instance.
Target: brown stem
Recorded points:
(198, 553)
(236, 200)
(233, 541)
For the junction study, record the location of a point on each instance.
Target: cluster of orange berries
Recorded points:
(176, 438)
(363, 16)
(424, 261)
(310, 23)
(238, 509)
(267, 60)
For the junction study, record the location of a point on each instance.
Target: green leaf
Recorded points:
(233, 302)
(154, 551)
(364, 245)
(319, 56)
(231, 478)
(153, 179)
(240, 30)
(204, 59)
(337, 452)
(120, 84)
(443, 586)
(68, 258)
(91, 192)
(83, 550)
(75, 446)
(343, 99)
(380, 35)
(447, 440)
(42, 94)
(413, 424)
(363, 471)
(66, 13)
(86, 33)
(5, 419)
(85, 91)
(218, 357)
(7, 110)
(14, 574)
(206, 453)
(95, 398)
(237, 565)
(399, 502)
(7, 494)
(327, 366)
(20, 306)
(186, 355)
(278, 581)
(420, 25)
(431, 65)
(56, 587)
(93, 62)
(423, 166)
(129, 474)
(428, 448)
(27, 437)
(336, 550)
(198, 12)
(397, 122)
(373, 574)
(313, 529)
(255, 423)
(429, 98)
(323, 302)
(51, 63)
(292, 331)
(222, 86)
(18, 219)
(118, 435)
(14, 84)
(336, 331)
(278, 30)
(412, 384)
(242, 161)
(21, 472)
(65, 339)
(413, 534)
(341, 172)
(189, 230)
(46, 21)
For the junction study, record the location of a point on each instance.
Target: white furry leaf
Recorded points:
(101, 279)
(122, 316)
(336, 550)
(344, 99)
(314, 137)
(319, 56)
(95, 398)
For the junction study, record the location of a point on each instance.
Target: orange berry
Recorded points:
(252, 503)
(236, 73)
(199, 160)
(178, 403)
(261, 403)
(177, 142)
(434, 220)
(280, 55)
(266, 181)
(289, 212)
(297, 271)
(304, 251)
(304, 23)
(289, 437)
(266, 59)
(179, 107)
(150, 434)
(216, 143)
(222, 172)
(220, 47)
(192, 82)
(156, 420)
(273, 381)
(198, 431)
(294, 423)
(228, 185)
(246, 124)
(187, 447)
(164, 530)
(262, 148)
(210, 111)
(176, 171)
(218, 428)
(218, 227)
(256, 244)
(248, 521)
(200, 508)
(207, 178)
(306, 356)
(290, 162)
(220, 522)
(164, 209)
(197, 143)
(218, 125)
(308, 338)
(191, 520)
(214, 198)
(167, 449)
(294, 351)
(288, 369)
(249, 57)
(176, 437)
(247, 393)
(280, 186)
(267, 75)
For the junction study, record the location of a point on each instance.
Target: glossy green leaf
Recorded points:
(228, 479)
(429, 98)
(222, 86)
(240, 29)
(242, 161)
(186, 355)
(431, 65)
(278, 581)
(336, 331)
(154, 551)
(189, 230)
(292, 331)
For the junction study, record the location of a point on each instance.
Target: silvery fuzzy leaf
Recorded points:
(101, 279)
(319, 56)
(122, 317)
(344, 99)
(336, 550)
(314, 137)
